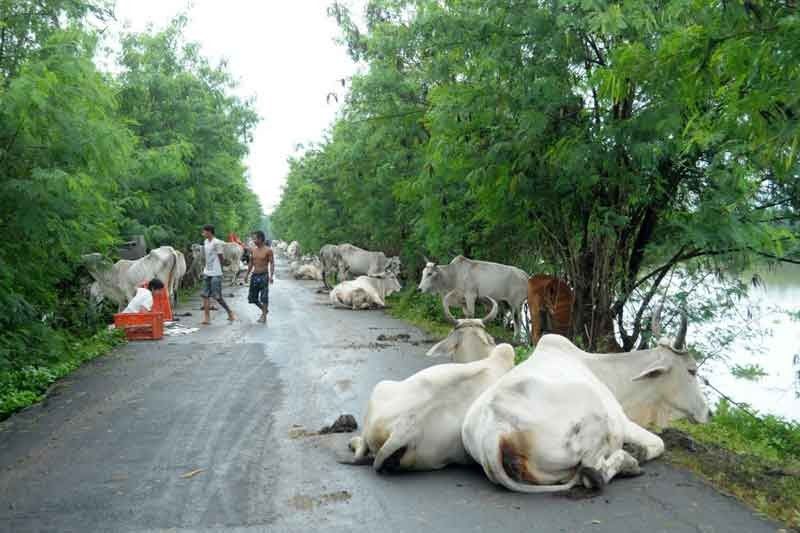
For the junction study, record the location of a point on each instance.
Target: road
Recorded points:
(208, 432)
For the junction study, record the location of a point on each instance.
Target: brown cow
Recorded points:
(550, 305)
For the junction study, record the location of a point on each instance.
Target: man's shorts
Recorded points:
(259, 289)
(212, 287)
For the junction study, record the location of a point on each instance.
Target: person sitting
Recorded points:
(142, 302)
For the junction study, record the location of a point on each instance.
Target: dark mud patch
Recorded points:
(357, 346)
(771, 488)
(579, 492)
(343, 424)
(301, 502)
(400, 337)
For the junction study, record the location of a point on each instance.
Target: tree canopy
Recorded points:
(607, 142)
(88, 158)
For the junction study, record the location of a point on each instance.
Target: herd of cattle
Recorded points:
(562, 417)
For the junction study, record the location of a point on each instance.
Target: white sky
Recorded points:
(282, 52)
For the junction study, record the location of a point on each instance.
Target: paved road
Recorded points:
(111, 447)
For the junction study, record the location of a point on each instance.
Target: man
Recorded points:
(142, 302)
(261, 272)
(212, 274)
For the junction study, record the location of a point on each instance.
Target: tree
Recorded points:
(606, 142)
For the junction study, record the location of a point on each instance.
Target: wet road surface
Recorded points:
(209, 432)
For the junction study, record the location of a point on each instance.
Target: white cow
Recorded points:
(231, 258)
(469, 340)
(118, 281)
(415, 424)
(563, 416)
(293, 251)
(365, 292)
(473, 279)
(308, 268)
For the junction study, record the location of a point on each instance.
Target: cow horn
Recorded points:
(680, 340)
(493, 313)
(446, 305)
(655, 324)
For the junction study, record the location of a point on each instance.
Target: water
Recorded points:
(777, 351)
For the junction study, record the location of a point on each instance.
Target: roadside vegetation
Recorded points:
(90, 157)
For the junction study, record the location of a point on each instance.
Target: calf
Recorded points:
(365, 292)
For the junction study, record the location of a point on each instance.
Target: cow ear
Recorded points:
(652, 372)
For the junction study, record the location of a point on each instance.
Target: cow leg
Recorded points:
(600, 471)
(643, 444)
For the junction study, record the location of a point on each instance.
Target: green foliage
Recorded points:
(605, 142)
(87, 157)
(521, 353)
(24, 386)
(749, 372)
(756, 458)
(422, 310)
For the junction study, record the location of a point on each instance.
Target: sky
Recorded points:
(282, 52)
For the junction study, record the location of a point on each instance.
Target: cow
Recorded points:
(365, 292)
(293, 251)
(307, 268)
(118, 281)
(231, 258)
(564, 416)
(469, 341)
(177, 275)
(415, 424)
(354, 261)
(550, 302)
(329, 257)
(279, 247)
(471, 279)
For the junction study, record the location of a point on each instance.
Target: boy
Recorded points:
(212, 274)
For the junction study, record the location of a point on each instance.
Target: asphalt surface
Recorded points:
(210, 432)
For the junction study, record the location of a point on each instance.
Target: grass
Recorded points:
(755, 458)
(25, 386)
(425, 312)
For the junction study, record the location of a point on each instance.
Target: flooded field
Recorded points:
(776, 351)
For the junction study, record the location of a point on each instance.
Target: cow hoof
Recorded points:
(637, 451)
(591, 478)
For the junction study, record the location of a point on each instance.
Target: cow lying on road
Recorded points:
(469, 340)
(415, 424)
(365, 292)
(563, 416)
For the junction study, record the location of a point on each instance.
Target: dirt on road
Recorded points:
(219, 431)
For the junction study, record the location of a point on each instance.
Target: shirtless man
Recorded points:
(261, 273)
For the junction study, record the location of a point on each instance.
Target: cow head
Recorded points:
(469, 340)
(671, 378)
(434, 278)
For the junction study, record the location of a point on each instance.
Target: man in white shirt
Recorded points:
(142, 301)
(212, 274)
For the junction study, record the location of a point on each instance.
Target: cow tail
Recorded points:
(499, 460)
